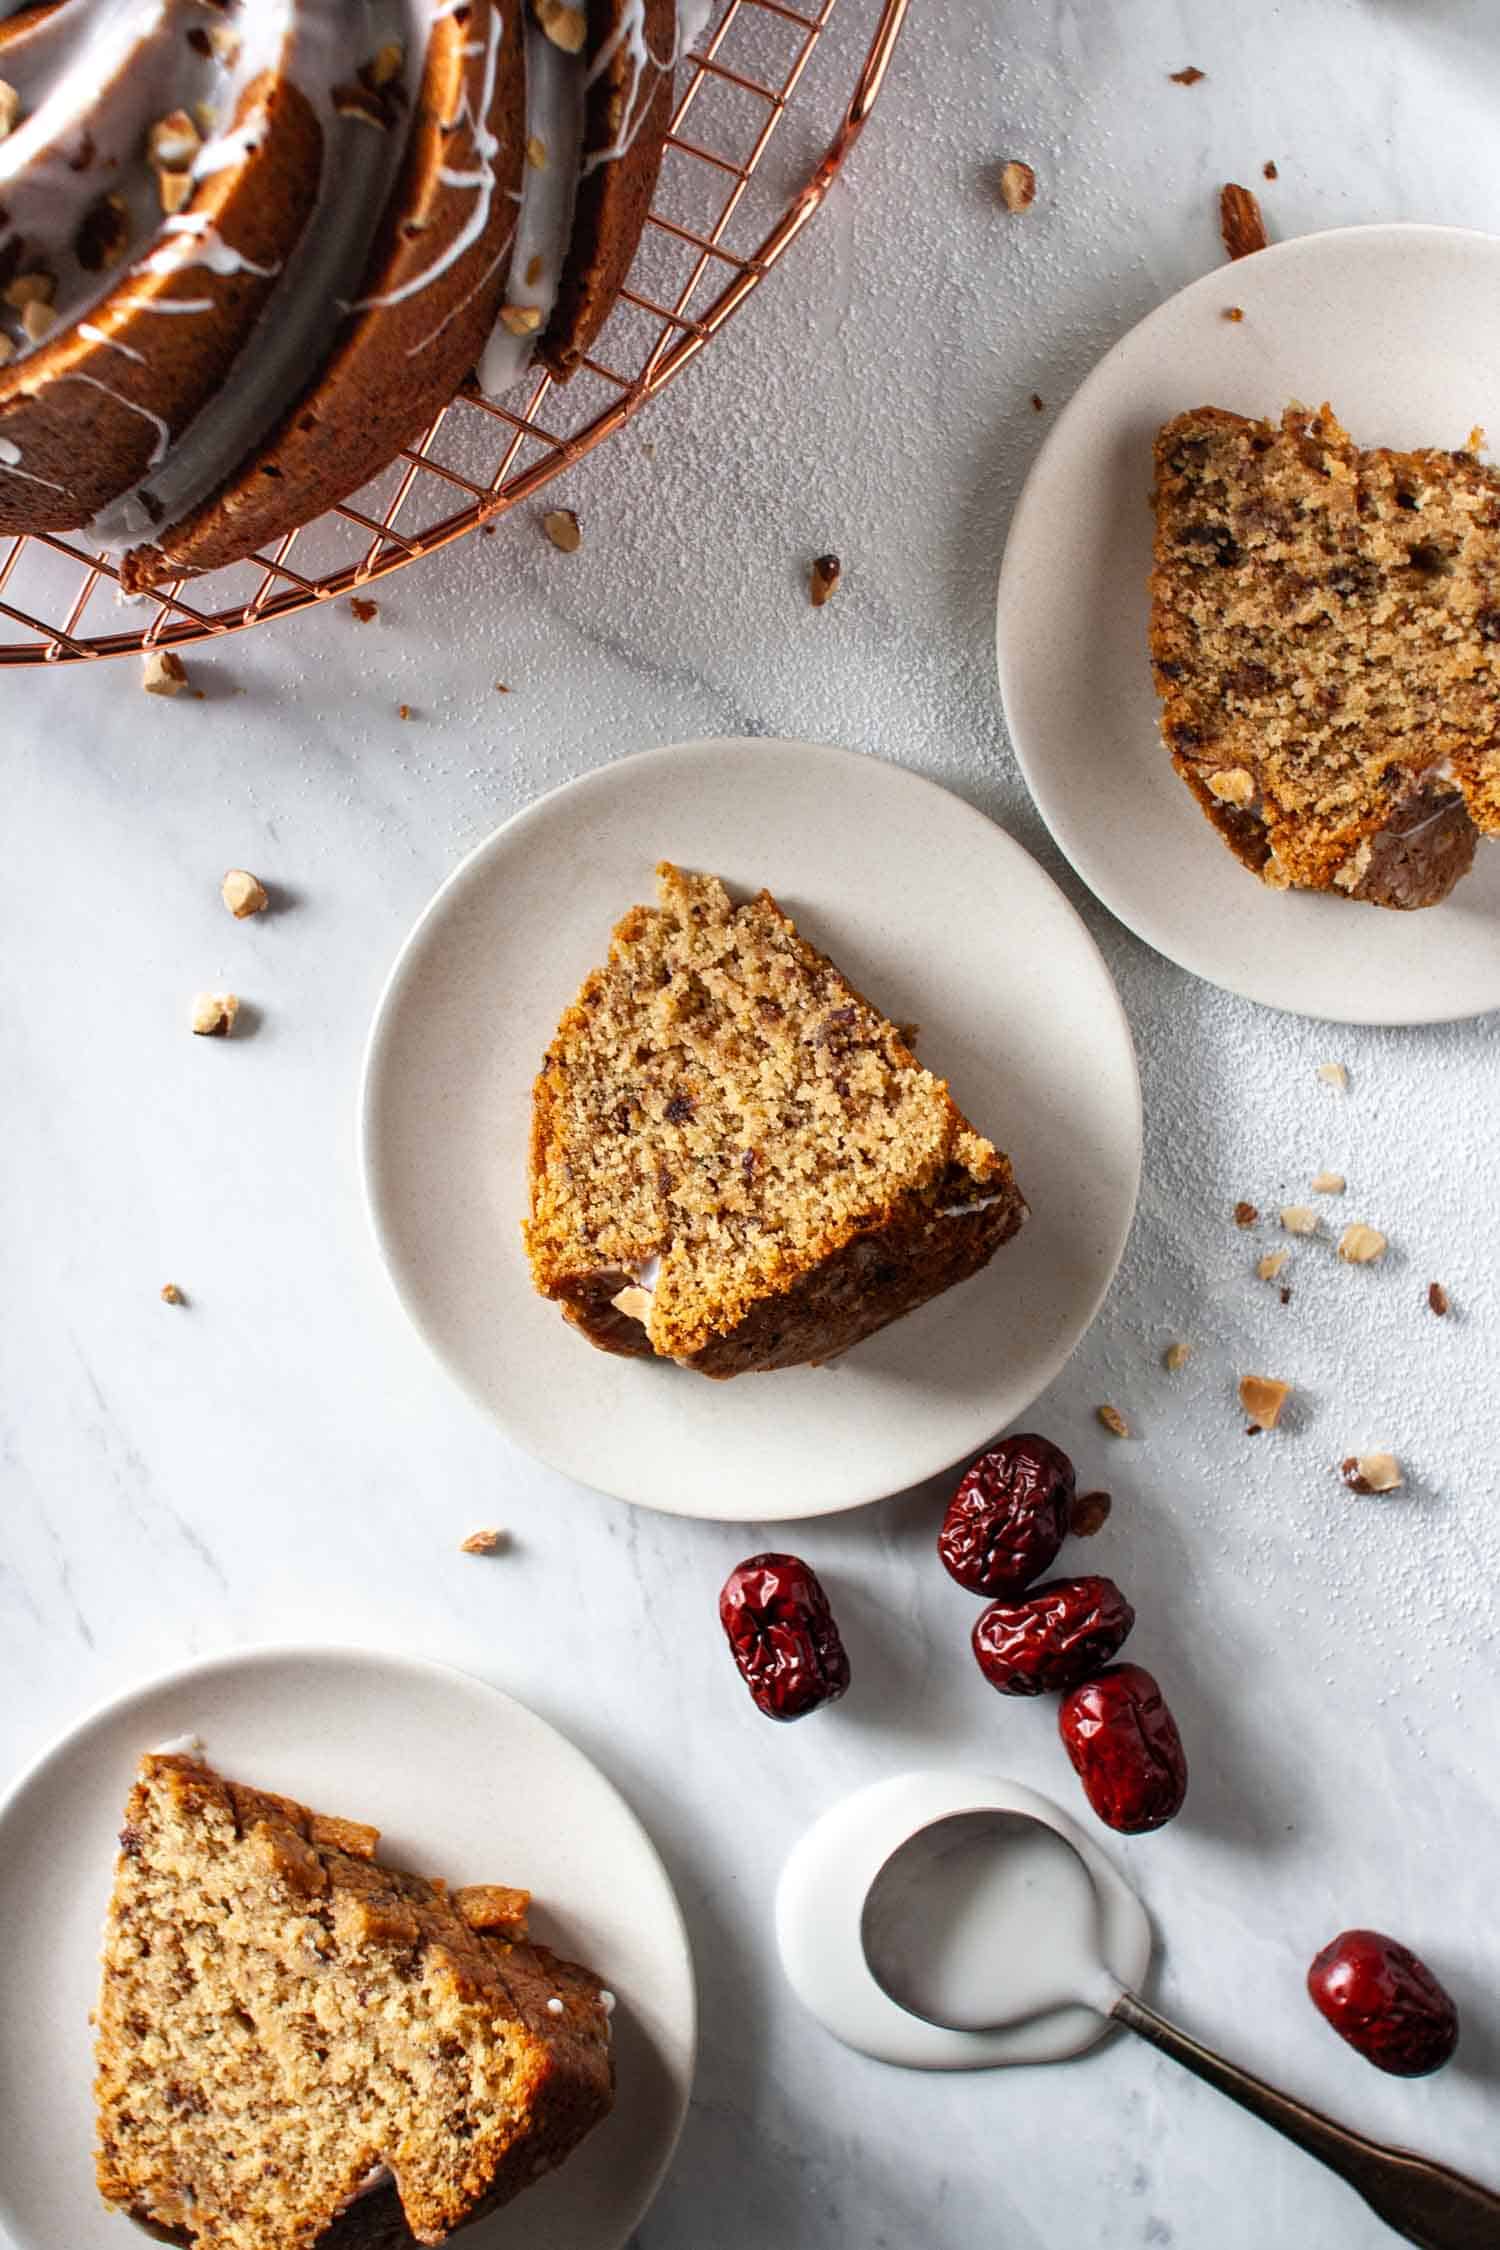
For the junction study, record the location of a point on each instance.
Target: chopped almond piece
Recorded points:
(824, 573)
(1176, 1356)
(10, 108)
(564, 25)
(1113, 1420)
(1090, 1514)
(1300, 1218)
(563, 529)
(214, 1014)
(483, 1543)
(522, 320)
(1360, 1245)
(243, 894)
(1263, 1399)
(1240, 222)
(1192, 76)
(1017, 185)
(1371, 1472)
(1272, 1264)
(163, 672)
(1328, 1183)
(173, 143)
(171, 1294)
(1334, 1075)
(1437, 1298)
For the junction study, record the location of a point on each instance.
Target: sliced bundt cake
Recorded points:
(300, 2047)
(736, 1161)
(249, 248)
(1325, 625)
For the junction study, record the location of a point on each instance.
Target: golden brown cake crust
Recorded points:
(722, 1104)
(1324, 631)
(401, 357)
(283, 2021)
(629, 109)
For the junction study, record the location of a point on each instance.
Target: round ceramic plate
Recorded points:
(460, 1780)
(1397, 326)
(925, 905)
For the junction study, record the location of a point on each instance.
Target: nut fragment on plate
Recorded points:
(243, 894)
(214, 1014)
(1245, 1214)
(363, 608)
(1263, 1399)
(1371, 1472)
(1090, 1514)
(1272, 1264)
(488, 1542)
(563, 529)
(1113, 1420)
(1328, 1183)
(823, 575)
(1240, 222)
(1176, 1356)
(163, 672)
(1334, 1075)
(171, 1294)
(1437, 1298)
(1233, 785)
(1017, 183)
(1191, 76)
(10, 108)
(1360, 1245)
(1300, 1218)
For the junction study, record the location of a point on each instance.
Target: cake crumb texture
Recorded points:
(736, 1161)
(297, 2045)
(1324, 629)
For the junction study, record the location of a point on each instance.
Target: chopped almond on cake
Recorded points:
(1325, 624)
(291, 2035)
(736, 1161)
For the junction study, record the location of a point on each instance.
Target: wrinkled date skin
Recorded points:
(1008, 1517)
(781, 1631)
(1385, 2002)
(1125, 1749)
(1052, 1638)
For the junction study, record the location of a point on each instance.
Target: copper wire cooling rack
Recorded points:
(741, 177)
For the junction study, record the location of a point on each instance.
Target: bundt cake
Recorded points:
(298, 2047)
(1325, 626)
(248, 248)
(736, 1162)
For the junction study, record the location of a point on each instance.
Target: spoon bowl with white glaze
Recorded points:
(949, 1921)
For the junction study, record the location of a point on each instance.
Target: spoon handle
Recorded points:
(1425, 2202)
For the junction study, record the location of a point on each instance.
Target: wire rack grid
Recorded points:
(708, 242)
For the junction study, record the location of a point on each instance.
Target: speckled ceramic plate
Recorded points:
(1399, 327)
(934, 912)
(460, 1780)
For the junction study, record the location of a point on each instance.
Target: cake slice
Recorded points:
(1325, 624)
(299, 2046)
(736, 1161)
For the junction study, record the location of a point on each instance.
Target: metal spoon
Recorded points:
(990, 1918)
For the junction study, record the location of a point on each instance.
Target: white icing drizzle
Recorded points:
(194, 240)
(163, 432)
(481, 180)
(93, 335)
(630, 33)
(554, 116)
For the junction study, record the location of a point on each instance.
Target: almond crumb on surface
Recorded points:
(1017, 182)
(823, 575)
(1478, 439)
(171, 1294)
(1268, 170)
(1437, 1298)
(1090, 1514)
(521, 320)
(214, 1014)
(1038, 403)
(1191, 76)
(565, 25)
(1113, 1420)
(536, 152)
(364, 609)
(403, 710)
(489, 1542)
(1240, 221)
(1273, 1263)
(1360, 1245)
(1300, 1218)
(1245, 1214)
(10, 108)
(243, 893)
(1176, 1356)
(1371, 1472)
(1334, 1075)
(501, 688)
(1263, 1399)
(1233, 785)
(1328, 1183)
(163, 672)
(563, 529)
(1234, 312)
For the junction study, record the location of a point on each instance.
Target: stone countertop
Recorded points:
(278, 1460)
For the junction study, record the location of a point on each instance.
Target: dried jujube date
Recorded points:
(782, 1634)
(1008, 1517)
(1125, 1748)
(1053, 1637)
(1385, 2002)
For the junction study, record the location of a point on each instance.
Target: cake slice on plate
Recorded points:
(298, 2046)
(736, 1161)
(1325, 627)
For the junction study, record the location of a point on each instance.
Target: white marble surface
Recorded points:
(277, 1460)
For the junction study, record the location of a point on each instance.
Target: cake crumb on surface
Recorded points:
(1334, 1075)
(1264, 1399)
(484, 1543)
(171, 1294)
(363, 608)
